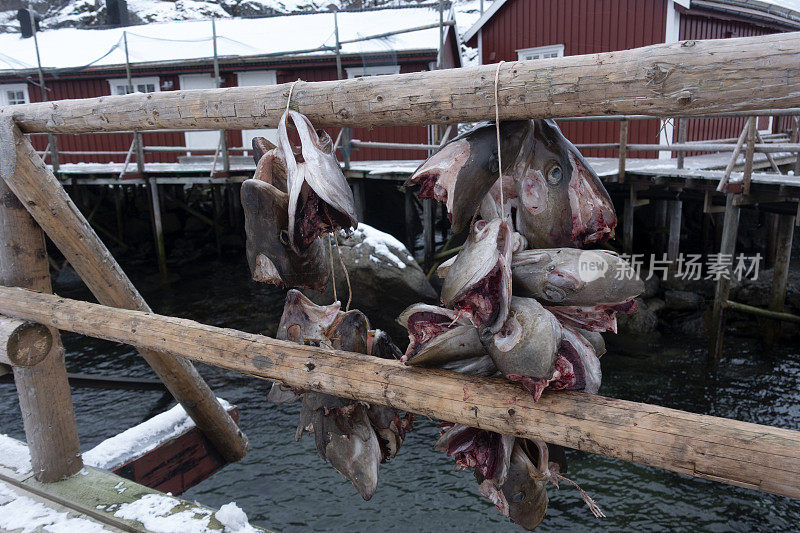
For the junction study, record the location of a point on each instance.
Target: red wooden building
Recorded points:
(85, 63)
(510, 30)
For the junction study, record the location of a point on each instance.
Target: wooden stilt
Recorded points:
(49, 204)
(730, 228)
(660, 223)
(44, 394)
(359, 197)
(623, 149)
(783, 254)
(427, 232)
(772, 239)
(216, 204)
(749, 153)
(158, 228)
(675, 208)
(682, 132)
(119, 200)
(411, 217)
(627, 222)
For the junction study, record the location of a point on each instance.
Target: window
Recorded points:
(140, 85)
(541, 52)
(360, 72)
(14, 94)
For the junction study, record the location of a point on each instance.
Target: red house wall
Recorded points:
(583, 27)
(699, 25)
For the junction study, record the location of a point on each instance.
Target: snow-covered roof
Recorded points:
(69, 48)
(789, 10)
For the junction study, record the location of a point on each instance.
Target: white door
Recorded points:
(200, 140)
(254, 78)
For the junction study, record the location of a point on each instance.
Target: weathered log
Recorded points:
(23, 343)
(729, 451)
(48, 203)
(666, 80)
(44, 394)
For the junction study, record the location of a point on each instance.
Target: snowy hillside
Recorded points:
(86, 13)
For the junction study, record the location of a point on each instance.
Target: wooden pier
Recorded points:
(676, 80)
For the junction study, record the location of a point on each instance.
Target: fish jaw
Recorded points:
(586, 374)
(437, 176)
(485, 451)
(269, 257)
(598, 317)
(270, 164)
(593, 215)
(320, 200)
(478, 284)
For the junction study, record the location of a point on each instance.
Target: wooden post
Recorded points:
(49, 204)
(137, 136)
(748, 157)
(23, 343)
(734, 156)
(730, 227)
(44, 395)
(692, 444)
(682, 127)
(660, 223)
(783, 255)
(411, 217)
(52, 141)
(158, 229)
(675, 213)
(623, 149)
(223, 139)
(359, 197)
(427, 232)
(627, 220)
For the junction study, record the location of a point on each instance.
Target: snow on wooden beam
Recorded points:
(739, 453)
(677, 79)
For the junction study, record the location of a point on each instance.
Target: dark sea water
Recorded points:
(284, 486)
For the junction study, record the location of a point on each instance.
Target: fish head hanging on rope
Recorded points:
(463, 170)
(478, 284)
(562, 202)
(320, 200)
(438, 335)
(265, 202)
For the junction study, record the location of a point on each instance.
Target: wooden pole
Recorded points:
(730, 227)
(623, 149)
(359, 196)
(734, 156)
(158, 228)
(780, 275)
(765, 313)
(675, 215)
(23, 343)
(660, 216)
(137, 136)
(44, 395)
(748, 155)
(49, 204)
(223, 140)
(410, 219)
(627, 220)
(669, 80)
(427, 232)
(52, 141)
(346, 133)
(729, 451)
(682, 131)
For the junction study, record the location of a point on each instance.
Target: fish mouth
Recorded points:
(482, 303)
(316, 218)
(423, 327)
(593, 216)
(485, 451)
(598, 318)
(437, 176)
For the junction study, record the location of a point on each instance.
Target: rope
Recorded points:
(497, 128)
(289, 99)
(346, 276)
(596, 511)
(333, 274)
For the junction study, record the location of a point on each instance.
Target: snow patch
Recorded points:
(15, 455)
(138, 440)
(155, 513)
(25, 515)
(233, 519)
(385, 248)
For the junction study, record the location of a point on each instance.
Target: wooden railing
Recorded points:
(664, 80)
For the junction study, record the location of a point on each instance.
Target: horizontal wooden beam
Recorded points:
(666, 80)
(729, 451)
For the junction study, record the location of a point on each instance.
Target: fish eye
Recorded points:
(554, 175)
(518, 497)
(485, 333)
(284, 237)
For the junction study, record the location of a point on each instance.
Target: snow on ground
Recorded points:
(15, 454)
(139, 439)
(385, 248)
(25, 515)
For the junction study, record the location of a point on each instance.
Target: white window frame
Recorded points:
(154, 80)
(524, 54)
(13, 87)
(375, 70)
